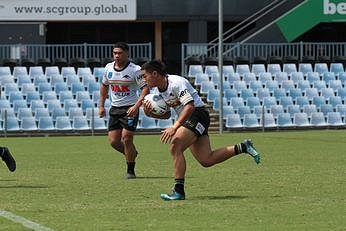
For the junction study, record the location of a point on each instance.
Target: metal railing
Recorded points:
(69, 51)
(251, 50)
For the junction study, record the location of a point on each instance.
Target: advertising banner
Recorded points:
(67, 10)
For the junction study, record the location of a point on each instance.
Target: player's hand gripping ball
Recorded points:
(159, 106)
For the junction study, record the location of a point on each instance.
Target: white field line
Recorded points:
(25, 222)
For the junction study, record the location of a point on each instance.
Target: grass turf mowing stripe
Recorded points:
(23, 221)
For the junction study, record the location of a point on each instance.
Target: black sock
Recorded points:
(131, 167)
(179, 186)
(239, 148)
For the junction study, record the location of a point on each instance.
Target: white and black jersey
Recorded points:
(180, 92)
(123, 83)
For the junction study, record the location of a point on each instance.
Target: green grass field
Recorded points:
(77, 183)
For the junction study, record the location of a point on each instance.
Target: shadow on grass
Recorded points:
(153, 177)
(24, 186)
(234, 197)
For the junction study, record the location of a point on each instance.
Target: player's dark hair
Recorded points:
(122, 46)
(155, 65)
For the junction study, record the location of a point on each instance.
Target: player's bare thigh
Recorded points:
(182, 139)
(201, 149)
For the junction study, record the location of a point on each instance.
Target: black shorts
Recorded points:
(118, 119)
(198, 122)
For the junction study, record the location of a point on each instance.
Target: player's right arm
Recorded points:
(103, 97)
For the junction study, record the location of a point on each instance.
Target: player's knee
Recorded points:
(127, 140)
(205, 163)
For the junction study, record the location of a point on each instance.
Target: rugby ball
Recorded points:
(159, 106)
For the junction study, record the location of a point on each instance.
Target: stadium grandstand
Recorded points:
(281, 69)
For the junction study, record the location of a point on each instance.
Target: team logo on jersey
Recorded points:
(127, 77)
(110, 74)
(182, 93)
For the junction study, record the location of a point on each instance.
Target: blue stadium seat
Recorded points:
(303, 84)
(5, 71)
(69, 103)
(52, 104)
(206, 86)
(67, 71)
(20, 103)
(199, 78)
(326, 108)
(334, 101)
(93, 87)
(310, 93)
(289, 68)
(258, 68)
(36, 71)
(24, 112)
(318, 119)
(28, 87)
(309, 109)
(41, 112)
(292, 109)
(99, 71)
(36, 103)
(232, 77)
(318, 101)
(71, 79)
(327, 76)
(342, 93)
(252, 102)
(246, 93)
(301, 119)
(98, 123)
(45, 123)
(6, 79)
(212, 94)
(28, 124)
(335, 84)
(39, 79)
(75, 87)
(265, 76)
(287, 84)
(255, 85)
(147, 123)
(19, 70)
(233, 121)
(34, 95)
(51, 71)
(319, 84)
(301, 101)
(334, 119)
(87, 79)
(341, 108)
(86, 103)
(262, 92)
(12, 124)
(164, 123)
(243, 110)
(216, 103)
(10, 87)
(22, 79)
(327, 92)
(286, 101)
(241, 69)
(75, 111)
(272, 85)
(321, 68)
(230, 93)
(80, 123)
(249, 77)
(42, 87)
(280, 77)
(84, 71)
(63, 123)
(227, 110)
(237, 102)
(268, 121)
(49, 95)
(211, 69)
(273, 68)
(59, 87)
(279, 92)
(239, 85)
(276, 109)
(82, 95)
(193, 70)
(312, 76)
(58, 111)
(267, 102)
(295, 92)
(337, 68)
(305, 68)
(250, 121)
(54, 79)
(297, 76)
(227, 69)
